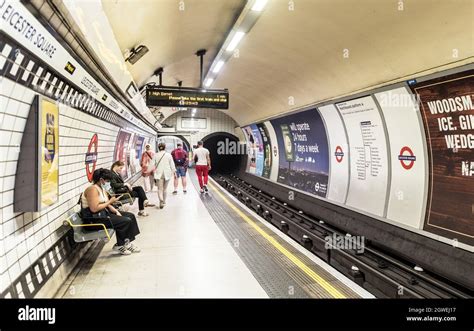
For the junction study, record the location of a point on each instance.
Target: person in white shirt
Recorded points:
(203, 165)
(164, 171)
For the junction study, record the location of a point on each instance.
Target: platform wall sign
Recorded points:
(187, 97)
(447, 106)
(304, 154)
(368, 155)
(407, 193)
(338, 154)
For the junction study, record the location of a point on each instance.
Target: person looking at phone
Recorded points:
(95, 202)
(119, 186)
(202, 160)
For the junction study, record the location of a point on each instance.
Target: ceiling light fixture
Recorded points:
(235, 41)
(209, 82)
(259, 5)
(218, 67)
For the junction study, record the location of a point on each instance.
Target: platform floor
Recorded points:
(199, 246)
(184, 255)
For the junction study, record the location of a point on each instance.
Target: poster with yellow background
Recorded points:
(49, 153)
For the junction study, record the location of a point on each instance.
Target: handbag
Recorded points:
(149, 167)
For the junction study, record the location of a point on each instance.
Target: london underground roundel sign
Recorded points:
(407, 158)
(91, 156)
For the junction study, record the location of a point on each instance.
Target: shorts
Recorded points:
(180, 172)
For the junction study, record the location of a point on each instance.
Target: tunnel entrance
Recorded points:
(224, 150)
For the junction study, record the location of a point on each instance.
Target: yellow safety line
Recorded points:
(321, 281)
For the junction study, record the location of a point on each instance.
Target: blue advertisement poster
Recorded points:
(304, 156)
(258, 150)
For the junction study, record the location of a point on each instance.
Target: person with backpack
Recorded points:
(164, 170)
(202, 161)
(180, 158)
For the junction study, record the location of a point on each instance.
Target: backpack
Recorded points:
(179, 157)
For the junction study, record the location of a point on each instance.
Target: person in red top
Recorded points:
(180, 158)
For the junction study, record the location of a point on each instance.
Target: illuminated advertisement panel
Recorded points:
(304, 153)
(267, 150)
(49, 145)
(121, 150)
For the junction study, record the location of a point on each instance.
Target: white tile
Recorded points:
(7, 87)
(23, 110)
(4, 281)
(24, 263)
(5, 137)
(12, 107)
(8, 122)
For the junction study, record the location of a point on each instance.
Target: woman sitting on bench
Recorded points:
(119, 186)
(95, 203)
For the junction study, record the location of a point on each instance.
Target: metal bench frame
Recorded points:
(75, 226)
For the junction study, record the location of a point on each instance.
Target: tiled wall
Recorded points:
(31, 246)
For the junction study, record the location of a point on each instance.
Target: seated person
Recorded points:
(95, 202)
(119, 186)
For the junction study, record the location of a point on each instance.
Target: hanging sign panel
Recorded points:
(447, 106)
(304, 154)
(186, 97)
(368, 151)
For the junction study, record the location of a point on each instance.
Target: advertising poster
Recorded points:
(447, 106)
(274, 151)
(121, 149)
(258, 150)
(304, 153)
(49, 153)
(267, 150)
(251, 150)
(368, 151)
(406, 202)
(139, 145)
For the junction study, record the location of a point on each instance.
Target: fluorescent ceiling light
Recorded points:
(259, 5)
(209, 82)
(194, 110)
(235, 40)
(218, 67)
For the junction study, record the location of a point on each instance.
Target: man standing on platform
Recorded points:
(180, 158)
(203, 165)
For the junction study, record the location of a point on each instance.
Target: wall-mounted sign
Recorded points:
(193, 123)
(37, 175)
(49, 130)
(91, 156)
(186, 97)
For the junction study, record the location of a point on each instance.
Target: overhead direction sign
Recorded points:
(161, 96)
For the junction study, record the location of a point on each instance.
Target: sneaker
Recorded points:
(202, 190)
(148, 204)
(205, 188)
(184, 191)
(142, 213)
(122, 250)
(133, 248)
(162, 204)
(175, 192)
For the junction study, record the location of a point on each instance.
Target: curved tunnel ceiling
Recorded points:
(298, 53)
(172, 33)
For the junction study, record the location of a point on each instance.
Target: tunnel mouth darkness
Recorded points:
(225, 152)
